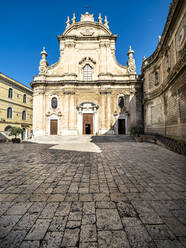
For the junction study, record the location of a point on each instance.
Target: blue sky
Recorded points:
(26, 26)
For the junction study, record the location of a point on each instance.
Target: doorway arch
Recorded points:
(87, 118)
(53, 124)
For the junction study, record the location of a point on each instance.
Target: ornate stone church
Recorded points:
(87, 91)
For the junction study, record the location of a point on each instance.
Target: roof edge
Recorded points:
(4, 76)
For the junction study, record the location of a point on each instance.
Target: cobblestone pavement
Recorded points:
(129, 195)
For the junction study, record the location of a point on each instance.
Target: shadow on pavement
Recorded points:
(111, 138)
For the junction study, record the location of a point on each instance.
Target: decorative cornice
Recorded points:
(77, 37)
(17, 104)
(69, 92)
(28, 124)
(105, 92)
(106, 74)
(135, 83)
(179, 66)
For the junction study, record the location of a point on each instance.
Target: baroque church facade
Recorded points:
(87, 91)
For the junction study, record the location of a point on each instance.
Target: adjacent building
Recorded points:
(165, 78)
(87, 91)
(15, 105)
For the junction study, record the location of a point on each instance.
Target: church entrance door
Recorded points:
(87, 123)
(121, 126)
(53, 127)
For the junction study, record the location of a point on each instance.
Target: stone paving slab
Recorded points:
(127, 195)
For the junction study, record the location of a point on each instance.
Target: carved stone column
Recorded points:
(108, 111)
(38, 106)
(72, 108)
(65, 111)
(103, 111)
(102, 57)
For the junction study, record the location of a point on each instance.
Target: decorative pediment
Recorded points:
(87, 106)
(87, 60)
(87, 29)
(53, 113)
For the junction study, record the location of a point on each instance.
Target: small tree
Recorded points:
(16, 131)
(136, 131)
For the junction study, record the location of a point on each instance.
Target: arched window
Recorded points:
(121, 102)
(24, 115)
(9, 113)
(87, 73)
(10, 93)
(24, 98)
(54, 102)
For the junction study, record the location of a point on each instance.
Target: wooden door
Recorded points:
(121, 126)
(53, 127)
(87, 123)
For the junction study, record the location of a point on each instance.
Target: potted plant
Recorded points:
(16, 131)
(136, 131)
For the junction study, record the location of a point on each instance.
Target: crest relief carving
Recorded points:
(87, 32)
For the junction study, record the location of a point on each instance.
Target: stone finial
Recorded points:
(131, 61)
(145, 62)
(106, 22)
(44, 53)
(67, 22)
(99, 18)
(130, 52)
(74, 18)
(43, 66)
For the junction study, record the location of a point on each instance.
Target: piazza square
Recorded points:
(93, 145)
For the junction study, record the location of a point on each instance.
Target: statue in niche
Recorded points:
(121, 102)
(54, 102)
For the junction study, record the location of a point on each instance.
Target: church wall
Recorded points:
(67, 111)
(165, 77)
(38, 116)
